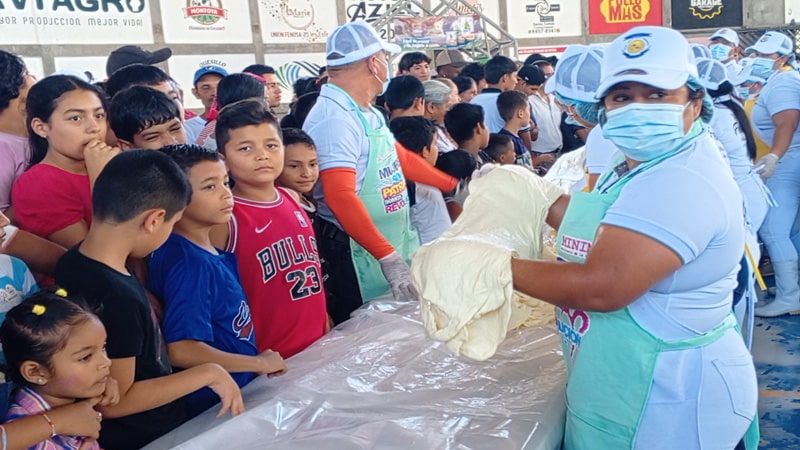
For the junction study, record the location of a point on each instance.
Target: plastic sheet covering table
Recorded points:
(377, 382)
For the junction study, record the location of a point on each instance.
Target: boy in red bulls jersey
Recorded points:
(270, 234)
(206, 315)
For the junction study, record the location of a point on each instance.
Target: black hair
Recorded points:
(251, 111)
(411, 59)
(542, 63)
(43, 99)
(509, 102)
(292, 136)
(138, 180)
(289, 121)
(463, 83)
(12, 78)
(138, 108)
(258, 69)
(497, 67)
(474, 70)
(303, 86)
(38, 328)
(402, 91)
(321, 70)
(414, 132)
(535, 57)
(140, 74)
(238, 86)
(498, 144)
(458, 164)
(189, 155)
(303, 106)
(726, 88)
(461, 121)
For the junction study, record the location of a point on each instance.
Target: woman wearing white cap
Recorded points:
(724, 47)
(651, 257)
(731, 127)
(574, 83)
(775, 117)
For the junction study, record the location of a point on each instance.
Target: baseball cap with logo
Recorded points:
(205, 70)
(726, 34)
(129, 55)
(577, 74)
(772, 42)
(532, 75)
(353, 42)
(450, 58)
(655, 56)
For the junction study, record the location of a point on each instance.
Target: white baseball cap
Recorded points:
(727, 34)
(577, 74)
(656, 56)
(700, 50)
(772, 42)
(712, 73)
(353, 42)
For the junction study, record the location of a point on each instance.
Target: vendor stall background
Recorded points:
(55, 34)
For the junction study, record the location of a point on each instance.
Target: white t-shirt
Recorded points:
(548, 118)
(429, 213)
(599, 151)
(193, 128)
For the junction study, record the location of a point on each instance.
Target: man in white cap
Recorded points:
(724, 46)
(365, 236)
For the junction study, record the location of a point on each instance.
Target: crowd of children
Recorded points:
(179, 258)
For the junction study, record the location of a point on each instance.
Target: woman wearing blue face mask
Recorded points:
(650, 258)
(724, 47)
(775, 118)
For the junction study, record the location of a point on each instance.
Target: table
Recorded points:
(378, 382)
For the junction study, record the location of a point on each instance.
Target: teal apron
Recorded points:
(609, 384)
(385, 196)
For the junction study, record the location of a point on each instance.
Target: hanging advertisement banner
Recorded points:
(423, 32)
(618, 16)
(206, 21)
(370, 11)
(183, 67)
(290, 67)
(694, 14)
(490, 9)
(544, 18)
(75, 22)
(297, 21)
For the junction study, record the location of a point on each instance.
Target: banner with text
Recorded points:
(297, 21)
(544, 18)
(618, 16)
(75, 22)
(437, 31)
(694, 14)
(206, 21)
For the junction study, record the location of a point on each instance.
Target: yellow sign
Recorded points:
(625, 11)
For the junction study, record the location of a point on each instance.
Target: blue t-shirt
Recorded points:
(690, 204)
(491, 116)
(204, 301)
(523, 155)
(781, 93)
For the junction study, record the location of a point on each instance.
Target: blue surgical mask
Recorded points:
(645, 131)
(763, 67)
(743, 92)
(720, 52)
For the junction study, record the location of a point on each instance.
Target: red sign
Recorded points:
(618, 16)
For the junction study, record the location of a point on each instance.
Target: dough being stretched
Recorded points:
(464, 278)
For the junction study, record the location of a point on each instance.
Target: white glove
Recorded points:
(766, 165)
(460, 194)
(398, 275)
